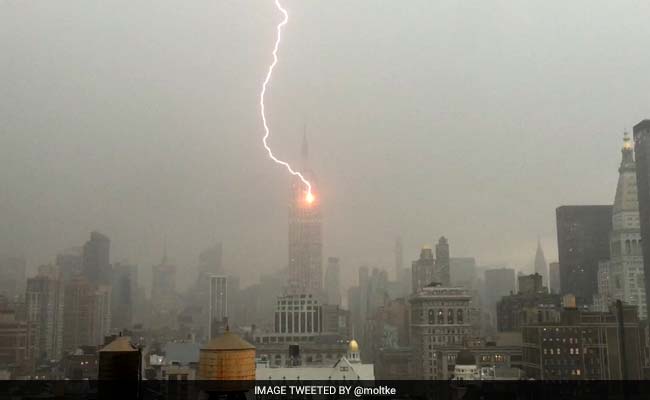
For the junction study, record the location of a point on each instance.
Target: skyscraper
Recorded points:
(554, 277)
(305, 236)
(86, 313)
(541, 267)
(582, 241)
(218, 308)
(621, 277)
(423, 270)
(123, 296)
(44, 298)
(642, 153)
(499, 282)
(333, 281)
(442, 262)
(163, 287)
(96, 259)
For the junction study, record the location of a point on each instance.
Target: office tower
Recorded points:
(123, 296)
(554, 277)
(462, 271)
(333, 281)
(12, 276)
(163, 287)
(621, 277)
(541, 267)
(423, 270)
(44, 299)
(16, 340)
(210, 260)
(642, 153)
(70, 262)
(86, 313)
(305, 235)
(499, 282)
(440, 317)
(96, 259)
(442, 262)
(218, 308)
(585, 345)
(582, 241)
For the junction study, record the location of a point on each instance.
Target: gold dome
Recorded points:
(353, 347)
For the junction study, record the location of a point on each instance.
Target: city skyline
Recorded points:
(186, 189)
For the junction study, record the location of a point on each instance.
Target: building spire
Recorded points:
(305, 146)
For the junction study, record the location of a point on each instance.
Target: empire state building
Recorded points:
(305, 235)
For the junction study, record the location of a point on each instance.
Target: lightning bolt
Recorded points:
(309, 197)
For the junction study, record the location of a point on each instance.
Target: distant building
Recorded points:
(621, 277)
(583, 241)
(423, 270)
(541, 267)
(440, 317)
(45, 298)
(532, 303)
(554, 277)
(642, 166)
(96, 259)
(123, 296)
(442, 273)
(463, 271)
(333, 281)
(86, 314)
(163, 289)
(531, 284)
(12, 276)
(585, 345)
(70, 262)
(499, 282)
(218, 308)
(16, 342)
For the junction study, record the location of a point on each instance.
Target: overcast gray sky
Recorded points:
(472, 119)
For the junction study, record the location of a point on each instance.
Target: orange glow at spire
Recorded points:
(309, 198)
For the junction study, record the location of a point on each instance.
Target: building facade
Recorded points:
(622, 277)
(583, 241)
(585, 345)
(333, 281)
(45, 298)
(218, 308)
(423, 270)
(642, 152)
(96, 265)
(440, 318)
(443, 263)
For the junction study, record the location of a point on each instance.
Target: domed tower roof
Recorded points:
(228, 341)
(465, 357)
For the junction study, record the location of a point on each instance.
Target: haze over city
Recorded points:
(423, 119)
